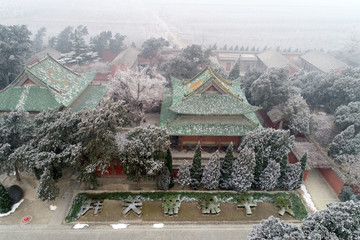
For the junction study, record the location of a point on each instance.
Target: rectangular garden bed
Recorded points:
(189, 211)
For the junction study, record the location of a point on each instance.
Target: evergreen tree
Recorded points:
(274, 228)
(144, 152)
(47, 189)
(211, 173)
(225, 47)
(269, 177)
(235, 71)
(183, 175)
(292, 175)
(15, 131)
(242, 174)
(163, 181)
(337, 221)
(64, 40)
(15, 45)
(5, 200)
(169, 165)
(346, 142)
(268, 144)
(226, 168)
(38, 43)
(195, 171)
(303, 161)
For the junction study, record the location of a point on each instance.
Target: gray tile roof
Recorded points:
(324, 62)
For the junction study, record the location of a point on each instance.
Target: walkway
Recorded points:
(320, 191)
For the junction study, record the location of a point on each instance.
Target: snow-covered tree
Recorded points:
(5, 200)
(164, 179)
(351, 169)
(169, 165)
(303, 162)
(54, 141)
(188, 63)
(139, 91)
(183, 175)
(274, 228)
(269, 176)
(80, 51)
(268, 144)
(248, 79)
(226, 168)
(143, 152)
(297, 114)
(271, 88)
(211, 173)
(292, 176)
(15, 45)
(47, 189)
(345, 143)
(195, 170)
(337, 221)
(235, 71)
(104, 40)
(38, 43)
(347, 115)
(151, 47)
(242, 174)
(15, 130)
(63, 42)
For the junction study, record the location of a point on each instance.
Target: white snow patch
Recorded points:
(158, 225)
(53, 207)
(80, 225)
(119, 226)
(307, 198)
(13, 208)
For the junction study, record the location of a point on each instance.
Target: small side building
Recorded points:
(207, 109)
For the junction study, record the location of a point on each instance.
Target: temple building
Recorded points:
(207, 108)
(47, 84)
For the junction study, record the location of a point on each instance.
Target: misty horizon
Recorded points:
(328, 25)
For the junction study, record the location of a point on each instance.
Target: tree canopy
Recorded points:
(15, 44)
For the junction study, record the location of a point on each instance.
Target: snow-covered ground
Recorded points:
(80, 225)
(307, 198)
(13, 208)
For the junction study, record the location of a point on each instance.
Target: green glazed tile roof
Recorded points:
(187, 100)
(53, 85)
(90, 98)
(189, 110)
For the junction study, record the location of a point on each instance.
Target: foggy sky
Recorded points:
(297, 24)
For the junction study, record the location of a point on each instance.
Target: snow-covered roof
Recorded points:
(273, 59)
(128, 57)
(228, 56)
(316, 158)
(322, 61)
(276, 113)
(207, 105)
(43, 85)
(248, 57)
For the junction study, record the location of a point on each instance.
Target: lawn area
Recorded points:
(189, 211)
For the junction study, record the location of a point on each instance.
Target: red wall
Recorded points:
(333, 180)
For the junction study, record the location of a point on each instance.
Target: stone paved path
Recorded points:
(320, 191)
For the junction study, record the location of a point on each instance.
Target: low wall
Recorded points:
(332, 179)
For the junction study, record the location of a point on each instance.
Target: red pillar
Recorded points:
(181, 144)
(219, 143)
